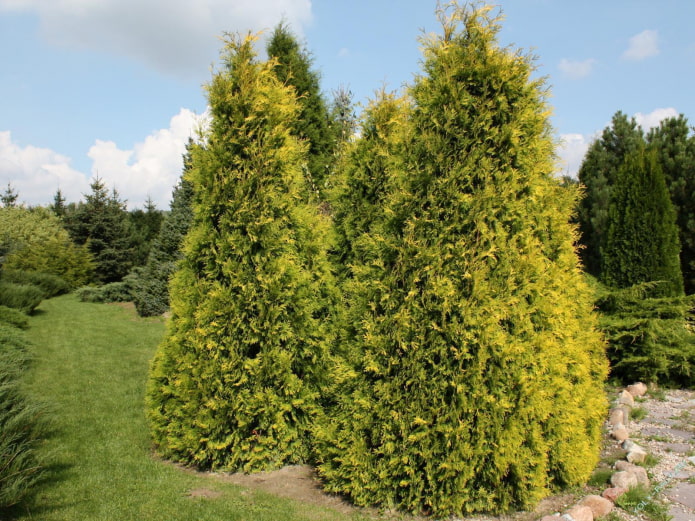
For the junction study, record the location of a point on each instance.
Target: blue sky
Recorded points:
(114, 87)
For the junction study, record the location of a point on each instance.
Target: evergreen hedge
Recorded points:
(237, 381)
(23, 297)
(475, 375)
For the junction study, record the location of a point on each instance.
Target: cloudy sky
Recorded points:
(114, 87)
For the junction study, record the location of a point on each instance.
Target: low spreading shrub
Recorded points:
(650, 339)
(51, 285)
(21, 422)
(13, 317)
(23, 297)
(113, 292)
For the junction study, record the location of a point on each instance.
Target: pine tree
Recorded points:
(642, 241)
(293, 67)
(478, 385)
(674, 144)
(598, 174)
(151, 294)
(237, 380)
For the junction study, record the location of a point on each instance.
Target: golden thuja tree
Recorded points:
(477, 369)
(237, 380)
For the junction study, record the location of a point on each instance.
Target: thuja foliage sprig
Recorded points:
(477, 385)
(237, 380)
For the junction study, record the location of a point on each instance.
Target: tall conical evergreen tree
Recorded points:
(235, 383)
(479, 384)
(598, 174)
(674, 143)
(642, 241)
(151, 293)
(359, 195)
(293, 67)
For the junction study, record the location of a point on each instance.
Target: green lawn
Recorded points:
(90, 369)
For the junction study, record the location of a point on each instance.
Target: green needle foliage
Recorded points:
(477, 379)
(237, 381)
(649, 339)
(642, 241)
(313, 123)
(598, 174)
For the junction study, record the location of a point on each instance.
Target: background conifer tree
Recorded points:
(642, 240)
(151, 294)
(313, 122)
(674, 144)
(237, 380)
(598, 174)
(479, 381)
(101, 223)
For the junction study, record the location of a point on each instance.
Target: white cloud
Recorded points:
(571, 151)
(36, 173)
(642, 46)
(178, 36)
(152, 168)
(576, 69)
(647, 121)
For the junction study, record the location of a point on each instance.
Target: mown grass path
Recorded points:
(91, 369)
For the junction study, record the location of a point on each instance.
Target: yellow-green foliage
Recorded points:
(477, 366)
(237, 381)
(36, 241)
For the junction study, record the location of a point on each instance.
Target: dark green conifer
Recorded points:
(674, 143)
(642, 240)
(478, 384)
(236, 382)
(101, 222)
(293, 68)
(598, 174)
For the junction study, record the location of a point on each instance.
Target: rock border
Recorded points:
(627, 475)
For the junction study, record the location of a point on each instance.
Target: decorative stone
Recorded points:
(550, 518)
(613, 493)
(637, 389)
(580, 513)
(599, 506)
(625, 398)
(620, 433)
(623, 479)
(636, 455)
(640, 473)
(616, 417)
(626, 414)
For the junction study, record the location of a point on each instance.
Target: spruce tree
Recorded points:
(598, 174)
(236, 382)
(101, 223)
(674, 144)
(151, 293)
(293, 67)
(478, 384)
(642, 241)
